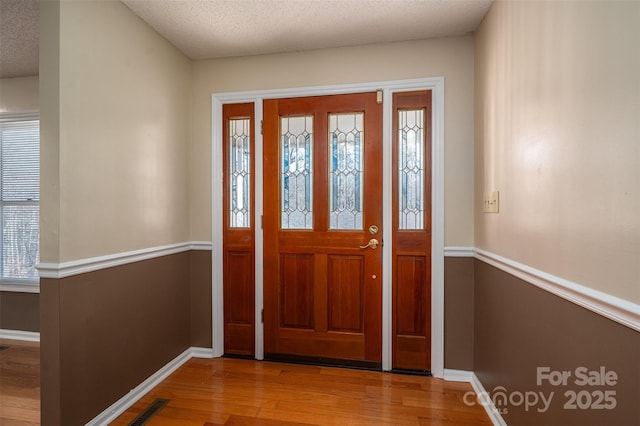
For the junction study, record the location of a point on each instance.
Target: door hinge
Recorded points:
(261, 127)
(261, 221)
(379, 96)
(262, 316)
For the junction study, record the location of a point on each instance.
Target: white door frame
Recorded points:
(436, 85)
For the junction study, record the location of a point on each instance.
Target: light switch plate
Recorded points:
(491, 202)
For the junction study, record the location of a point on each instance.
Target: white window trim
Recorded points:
(20, 285)
(435, 84)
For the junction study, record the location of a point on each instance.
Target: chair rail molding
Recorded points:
(81, 266)
(619, 310)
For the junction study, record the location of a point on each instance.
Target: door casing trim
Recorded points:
(436, 85)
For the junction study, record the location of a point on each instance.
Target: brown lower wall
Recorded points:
(201, 314)
(458, 313)
(519, 327)
(105, 332)
(19, 311)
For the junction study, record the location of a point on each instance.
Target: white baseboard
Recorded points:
(470, 377)
(121, 405)
(457, 375)
(26, 336)
(488, 405)
(201, 352)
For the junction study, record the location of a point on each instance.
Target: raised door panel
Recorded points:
(239, 286)
(296, 291)
(345, 280)
(410, 292)
(412, 326)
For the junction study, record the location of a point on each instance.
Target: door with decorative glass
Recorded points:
(322, 229)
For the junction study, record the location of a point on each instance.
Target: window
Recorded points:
(297, 172)
(346, 167)
(411, 168)
(19, 196)
(240, 173)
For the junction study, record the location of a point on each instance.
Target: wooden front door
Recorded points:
(322, 229)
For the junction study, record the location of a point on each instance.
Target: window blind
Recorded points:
(19, 196)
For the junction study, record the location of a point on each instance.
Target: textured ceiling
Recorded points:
(19, 35)
(223, 28)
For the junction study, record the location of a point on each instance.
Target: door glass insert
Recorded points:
(297, 172)
(411, 169)
(240, 173)
(346, 136)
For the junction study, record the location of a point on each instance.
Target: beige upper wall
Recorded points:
(123, 135)
(19, 94)
(49, 93)
(448, 57)
(557, 131)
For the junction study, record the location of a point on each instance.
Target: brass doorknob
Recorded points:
(373, 243)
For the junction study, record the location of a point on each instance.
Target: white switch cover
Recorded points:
(491, 202)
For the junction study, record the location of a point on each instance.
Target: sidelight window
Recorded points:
(411, 169)
(240, 173)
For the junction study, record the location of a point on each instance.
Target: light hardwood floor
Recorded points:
(223, 391)
(19, 383)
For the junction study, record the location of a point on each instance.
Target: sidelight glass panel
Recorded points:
(346, 139)
(239, 173)
(411, 169)
(296, 189)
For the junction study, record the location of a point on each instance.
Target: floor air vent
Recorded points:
(149, 412)
(2, 348)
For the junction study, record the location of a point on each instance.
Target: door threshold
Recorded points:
(324, 362)
(239, 356)
(412, 372)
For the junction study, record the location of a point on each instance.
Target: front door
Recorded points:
(322, 229)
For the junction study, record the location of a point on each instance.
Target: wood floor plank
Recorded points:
(22, 414)
(254, 421)
(5, 421)
(372, 414)
(224, 408)
(309, 418)
(170, 391)
(191, 415)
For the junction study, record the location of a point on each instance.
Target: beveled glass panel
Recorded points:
(239, 173)
(296, 189)
(346, 140)
(411, 169)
